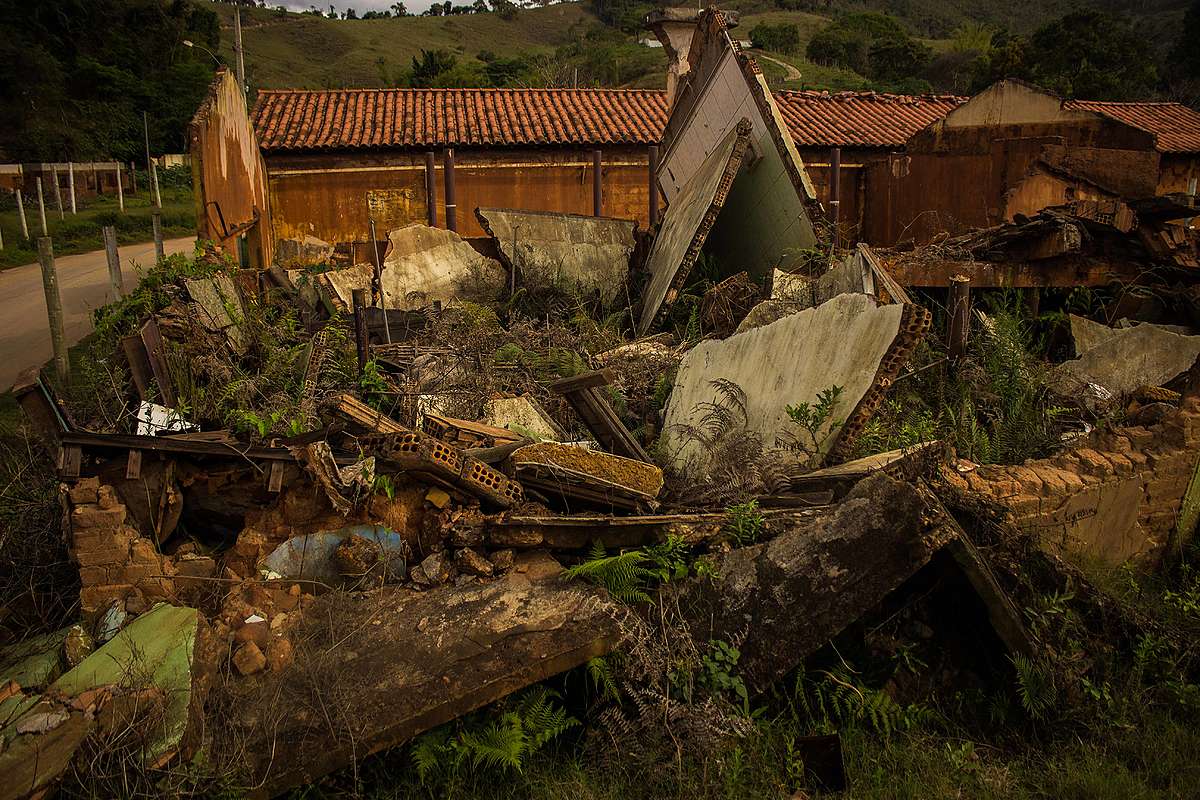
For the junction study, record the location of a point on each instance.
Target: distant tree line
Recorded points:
(75, 77)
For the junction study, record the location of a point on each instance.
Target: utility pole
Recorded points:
(54, 310)
(156, 222)
(71, 184)
(21, 215)
(120, 190)
(237, 49)
(57, 190)
(154, 183)
(42, 206)
(146, 131)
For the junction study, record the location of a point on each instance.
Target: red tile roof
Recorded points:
(294, 119)
(1177, 126)
(353, 118)
(860, 119)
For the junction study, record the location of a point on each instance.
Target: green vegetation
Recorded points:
(75, 77)
(82, 232)
(782, 38)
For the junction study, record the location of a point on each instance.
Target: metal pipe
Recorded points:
(653, 173)
(451, 206)
(431, 188)
(835, 187)
(597, 185)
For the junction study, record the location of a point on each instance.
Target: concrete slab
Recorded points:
(687, 223)
(393, 664)
(522, 415)
(422, 264)
(592, 253)
(1128, 359)
(849, 342)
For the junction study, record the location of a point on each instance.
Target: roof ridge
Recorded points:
(489, 89)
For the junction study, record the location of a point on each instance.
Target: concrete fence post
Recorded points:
(114, 262)
(451, 204)
(71, 185)
(154, 183)
(58, 339)
(42, 206)
(21, 216)
(156, 221)
(120, 190)
(958, 318)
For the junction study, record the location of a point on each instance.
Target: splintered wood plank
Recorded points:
(133, 465)
(392, 664)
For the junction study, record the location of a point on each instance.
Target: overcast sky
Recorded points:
(413, 6)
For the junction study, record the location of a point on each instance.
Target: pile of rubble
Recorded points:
(414, 460)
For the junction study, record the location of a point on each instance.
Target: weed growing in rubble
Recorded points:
(718, 673)
(501, 740)
(744, 522)
(832, 698)
(815, 420)
(1035, 687)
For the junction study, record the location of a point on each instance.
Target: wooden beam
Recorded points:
(1063, 272)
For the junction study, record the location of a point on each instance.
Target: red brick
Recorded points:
(84, 491)
(93, 598)
(101, 557)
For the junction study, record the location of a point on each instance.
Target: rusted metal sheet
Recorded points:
(229, 174)
(326, 195)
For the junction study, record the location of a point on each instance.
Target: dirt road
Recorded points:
(791, 73)
(83, 286)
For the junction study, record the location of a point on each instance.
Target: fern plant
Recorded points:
(622, 575)
(1035, 686)
(503, 740)
(834, 697)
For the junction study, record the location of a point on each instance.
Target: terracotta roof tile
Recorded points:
(292, 119)
(860, 119)
(1177, 126)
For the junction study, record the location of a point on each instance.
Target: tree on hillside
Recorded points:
(781, 38)
(1085, 54)
(871, 44)
(399, 9)
(429, 66)
(75, 77)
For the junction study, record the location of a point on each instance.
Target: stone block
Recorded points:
(90, 517)
(279, 653)
(249, 659)
(102, 556)
(84, 491)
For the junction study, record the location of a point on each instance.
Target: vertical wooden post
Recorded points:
(154, 183)
(451, 206)
(835, 192)
(156, 221)
(120, 190)
(1, 238)
(430, 189)
(653, 172)
(958, 319)
(58, 339)
(42, 207)
(1032, 298)
(387, 330)
(597, 185)
(114, 262)
(359, 300)
(71, 185)
(21, 216)
(57, 190)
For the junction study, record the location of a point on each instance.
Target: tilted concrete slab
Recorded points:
(590, 252)
(687, 223)
(786, 597)
(422, 264)
(1126, 360)
(392, 664)
(769, 216)
(850, 342)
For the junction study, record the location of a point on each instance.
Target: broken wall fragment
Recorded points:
(591, 253)
(848, 342)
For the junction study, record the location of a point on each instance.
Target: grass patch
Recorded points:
(83, 232)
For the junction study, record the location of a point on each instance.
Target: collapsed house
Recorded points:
(409, 507)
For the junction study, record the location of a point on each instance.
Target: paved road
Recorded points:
(83, 286)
